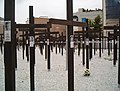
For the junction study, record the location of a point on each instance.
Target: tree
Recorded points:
(96, 23)
(90, 23)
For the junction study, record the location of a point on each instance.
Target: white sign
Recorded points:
(32, 41)
(116, 41)
(27, 41)
(7, 31)
(87, 41)
(71, 41)
(48, 42)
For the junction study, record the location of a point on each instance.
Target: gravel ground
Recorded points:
(103, 74)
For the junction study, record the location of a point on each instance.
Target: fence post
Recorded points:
(48, 49)
(32, 49)
(115, 46)
(119, 56)
(108, 44)
(70, 46)
(9, 46)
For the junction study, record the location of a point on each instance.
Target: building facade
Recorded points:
(1, 25)
(85, 13)
(111, 9)
(44, 20)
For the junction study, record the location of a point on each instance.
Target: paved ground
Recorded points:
(103, 74)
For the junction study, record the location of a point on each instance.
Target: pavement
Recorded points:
(103, 75)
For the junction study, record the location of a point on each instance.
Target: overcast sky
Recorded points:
(50, 8)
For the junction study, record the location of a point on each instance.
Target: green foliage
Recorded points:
(90, 23)
(96, 23)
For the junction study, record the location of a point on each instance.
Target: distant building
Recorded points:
(1, 25)
(44, 20)
(85, 13)
(111, 9)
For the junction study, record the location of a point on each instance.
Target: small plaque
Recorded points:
(87, 41)
(71, 41)
(27, 41)
(116, 41)
(32, 41)
(7, 31)
(48, 43)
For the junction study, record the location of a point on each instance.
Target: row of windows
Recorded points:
(112, 9)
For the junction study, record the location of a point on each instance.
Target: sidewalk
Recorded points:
(103, 76)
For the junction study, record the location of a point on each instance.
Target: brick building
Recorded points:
(44, 20)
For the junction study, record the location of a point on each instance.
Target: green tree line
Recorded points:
(96, 23)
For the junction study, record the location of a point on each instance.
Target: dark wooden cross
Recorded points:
(10, 47)
(116, 33)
